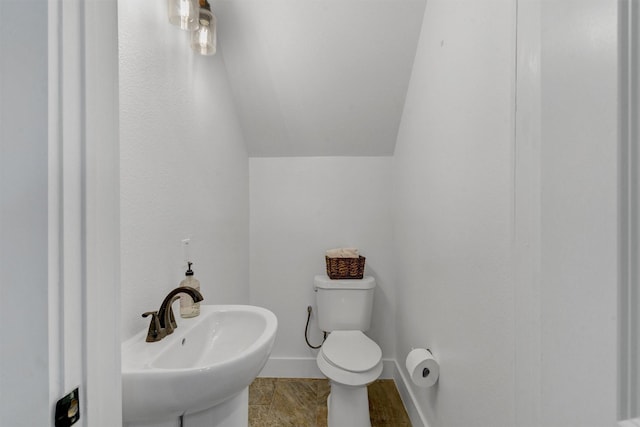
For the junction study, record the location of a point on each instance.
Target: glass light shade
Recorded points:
(184, 13)
(204, 39)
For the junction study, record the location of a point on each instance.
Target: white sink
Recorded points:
(207, 360)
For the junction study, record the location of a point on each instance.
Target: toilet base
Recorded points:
(348, 406)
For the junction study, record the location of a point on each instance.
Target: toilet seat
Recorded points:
(352, 351)
(350, 358)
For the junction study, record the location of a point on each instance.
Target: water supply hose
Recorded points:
(306, 331)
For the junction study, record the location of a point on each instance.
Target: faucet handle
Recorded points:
(156, 333)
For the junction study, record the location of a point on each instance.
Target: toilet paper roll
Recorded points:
(422, 367)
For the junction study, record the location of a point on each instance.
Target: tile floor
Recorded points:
(300, 402)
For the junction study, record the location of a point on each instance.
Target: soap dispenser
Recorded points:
(187, 307)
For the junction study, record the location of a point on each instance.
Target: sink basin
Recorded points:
(207, 360)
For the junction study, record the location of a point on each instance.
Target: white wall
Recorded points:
(579, 212)
(452, 203)
(460, 236)
(301, 207)
(184, 168)
(311, 85)
(24, 350)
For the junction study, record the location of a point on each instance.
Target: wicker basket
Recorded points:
(345, 268)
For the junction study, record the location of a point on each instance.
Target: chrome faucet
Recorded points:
(163, 322)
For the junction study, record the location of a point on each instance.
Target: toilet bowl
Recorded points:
(349, 358)
(351, 361)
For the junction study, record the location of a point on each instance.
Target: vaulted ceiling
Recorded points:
(319, 77)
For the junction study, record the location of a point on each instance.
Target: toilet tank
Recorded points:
(344, 304)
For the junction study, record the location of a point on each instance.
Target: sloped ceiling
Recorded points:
(319, 78)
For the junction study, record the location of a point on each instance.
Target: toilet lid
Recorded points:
(351, 350)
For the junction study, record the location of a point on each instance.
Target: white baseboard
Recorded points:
(408, 398)
(291, 367)
(307, 367)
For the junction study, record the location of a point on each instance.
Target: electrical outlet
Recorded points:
(68, 409)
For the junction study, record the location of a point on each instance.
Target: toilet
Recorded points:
(348, 358)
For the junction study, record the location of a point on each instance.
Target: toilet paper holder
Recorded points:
(423, 369)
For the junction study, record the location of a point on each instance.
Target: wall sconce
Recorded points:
(204, 38)
(184, 13)
(195, 16)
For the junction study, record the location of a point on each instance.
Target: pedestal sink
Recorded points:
(199, 375)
